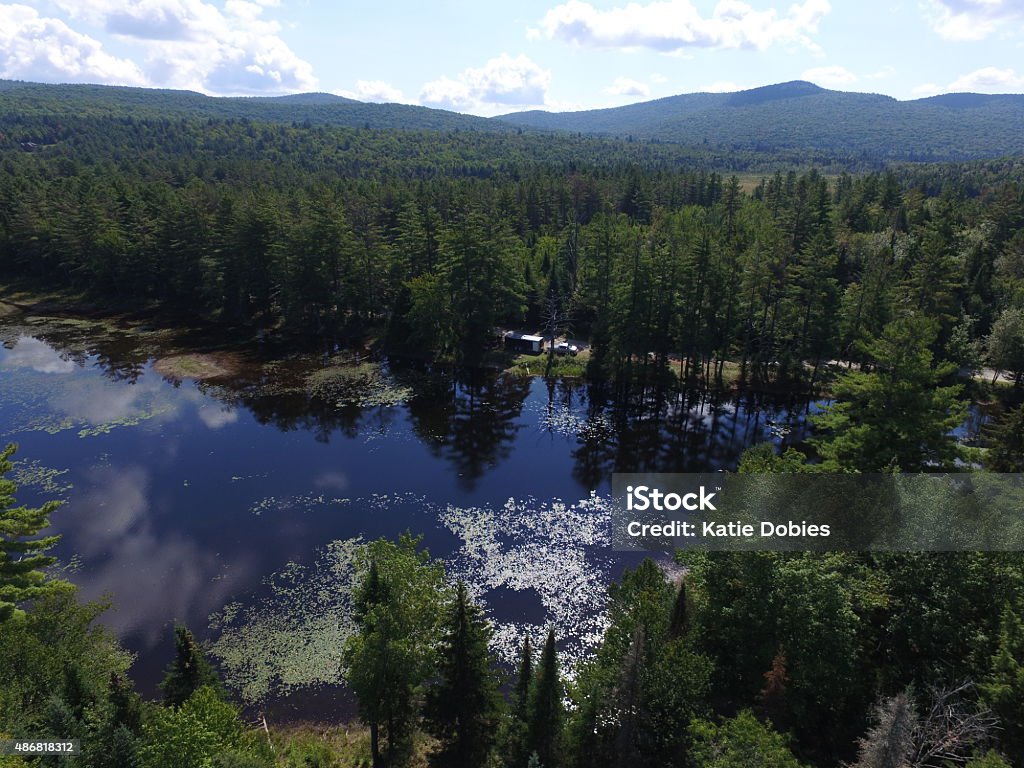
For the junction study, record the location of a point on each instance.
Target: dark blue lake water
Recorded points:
(234, 505)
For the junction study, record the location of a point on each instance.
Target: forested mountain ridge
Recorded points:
(304, 108)
(800, 115)
(806, 123)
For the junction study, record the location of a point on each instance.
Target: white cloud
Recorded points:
(829, 76)
(196, 45)
(217, 416)
(376, 91)
(925, 90)
(659, 78)
(882, 74)
(984, 80)
(504, 83)
(33, 47)
(37, 355)
(972, 19)
(625, 86)
(669, 26)
(989, 80)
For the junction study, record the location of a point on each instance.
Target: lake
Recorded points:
(234, 504)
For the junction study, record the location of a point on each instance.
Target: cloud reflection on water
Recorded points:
(28, 352)
(154, 576)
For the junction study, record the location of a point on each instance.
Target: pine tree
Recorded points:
(544, 730)
(1007, 450)
(1006, 344)
(1004, 689)
(628, 698)
(524, 679)
(394, 649)
(679, 624)
(189, 671)
(116, 742)
(897, 415)
(22, 560)
(463, 707)
(126, 704)
(514, 738)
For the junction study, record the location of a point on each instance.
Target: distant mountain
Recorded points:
(800, 115)
(314, 108)
(796, 121)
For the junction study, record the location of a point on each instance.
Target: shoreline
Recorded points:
(203, 350)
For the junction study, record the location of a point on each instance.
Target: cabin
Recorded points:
(524, 342)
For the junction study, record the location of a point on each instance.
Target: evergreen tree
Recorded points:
(22, 560)
(544, 729)
(515, 735)
(115, 742)
(188, 672)
(125, 703)
(393, 652)
(1006, 453)
(464, 705)
(1006, 344)
(679, 624)
(1003, 691)
(896, 415)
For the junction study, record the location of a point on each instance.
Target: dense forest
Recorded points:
(26, 98)
(801, 115)
(432, 241)
(896, 286)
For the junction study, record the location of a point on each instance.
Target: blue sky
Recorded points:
(489, 58)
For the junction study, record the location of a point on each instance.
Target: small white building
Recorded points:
(524, 342)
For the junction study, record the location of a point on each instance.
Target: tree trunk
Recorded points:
(375, 744)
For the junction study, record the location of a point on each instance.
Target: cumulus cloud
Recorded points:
(33, 47)
(972, 19)
(377, 91)
(37, 355)
(989, 80)
(190, 44)
(215, 417)
(830, 76)
(984, 80)
(503, 84)
(624, 86)
(926, 89)
(669, 26)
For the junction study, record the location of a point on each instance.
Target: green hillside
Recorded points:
(800, 115)
(316, 108)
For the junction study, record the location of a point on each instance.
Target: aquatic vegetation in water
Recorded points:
(32, 474)
(294, 637)
(307, 502)
(364, 384)
(301, 503)
(197, 366)
(564, 420)
(132, 420)
(551, 552)
(551, 548)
